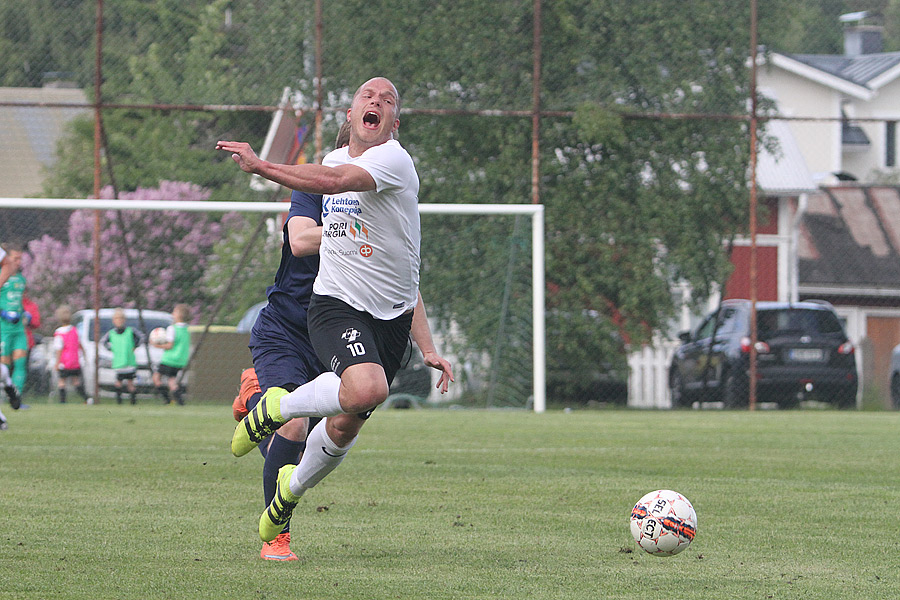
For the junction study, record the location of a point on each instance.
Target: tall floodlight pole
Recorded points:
(95, 240)
(319, 92)
(536, 107)
(753, 205)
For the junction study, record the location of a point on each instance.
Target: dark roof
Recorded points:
(850, 238)
(853, 135)
(856, 69)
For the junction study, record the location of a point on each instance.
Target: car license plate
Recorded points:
(806, 354)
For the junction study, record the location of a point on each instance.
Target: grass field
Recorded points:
(120, 502)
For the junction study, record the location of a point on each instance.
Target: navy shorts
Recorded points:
(344, 336)
(282, 353)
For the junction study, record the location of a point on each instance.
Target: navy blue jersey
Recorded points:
(294, 279)
(279, 341)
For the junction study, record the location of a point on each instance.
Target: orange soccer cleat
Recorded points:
(249, 386)
(279, 548)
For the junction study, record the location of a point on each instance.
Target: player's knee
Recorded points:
(364, 397)
(363, 387)
(342, 429)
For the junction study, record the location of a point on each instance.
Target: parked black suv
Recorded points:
(802, 352)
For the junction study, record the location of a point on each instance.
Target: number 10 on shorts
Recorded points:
(355, 348)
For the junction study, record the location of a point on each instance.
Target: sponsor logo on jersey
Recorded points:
(340, 205)
(335, 230)
(360, 229)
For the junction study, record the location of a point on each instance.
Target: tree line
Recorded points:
(634, 206)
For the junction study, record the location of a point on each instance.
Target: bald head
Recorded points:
(378, 82)
(374, 115)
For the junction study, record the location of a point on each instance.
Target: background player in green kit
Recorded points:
(122, 340)
(7, 269)
(13, 340)
(177, 351)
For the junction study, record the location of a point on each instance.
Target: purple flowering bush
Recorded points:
(153, 258)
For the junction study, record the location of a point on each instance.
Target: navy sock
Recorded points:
(254, 400)
(281, 452)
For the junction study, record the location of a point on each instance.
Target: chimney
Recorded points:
(860, 38)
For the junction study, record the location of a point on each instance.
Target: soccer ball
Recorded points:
(663, 523)
(158, 336)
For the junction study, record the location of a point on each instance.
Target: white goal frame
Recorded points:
(535, 211)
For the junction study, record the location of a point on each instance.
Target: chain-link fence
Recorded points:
(631, 123)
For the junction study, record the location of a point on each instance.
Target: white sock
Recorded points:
(318, 398)
(5, 379)
(321, 457)
(2, 417)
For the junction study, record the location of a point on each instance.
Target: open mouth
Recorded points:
(371, 119)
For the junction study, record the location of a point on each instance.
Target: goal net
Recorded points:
(482, 279)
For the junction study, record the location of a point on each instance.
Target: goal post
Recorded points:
(510, 264)
(536, 213)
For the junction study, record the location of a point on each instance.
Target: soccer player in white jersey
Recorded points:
(365, 298)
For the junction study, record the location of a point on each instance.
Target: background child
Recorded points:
(177, 351)
(69, 351)
(122, 340)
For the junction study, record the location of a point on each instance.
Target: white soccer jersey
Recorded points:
(369, 256)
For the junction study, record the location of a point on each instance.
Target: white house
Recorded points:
(28, 134)
(861, 88)
(32, 121)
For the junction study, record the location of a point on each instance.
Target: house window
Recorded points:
(890, 144)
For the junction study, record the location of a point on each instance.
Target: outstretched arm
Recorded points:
(421, 333)
(312, 178)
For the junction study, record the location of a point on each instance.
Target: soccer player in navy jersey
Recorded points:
(283, 356)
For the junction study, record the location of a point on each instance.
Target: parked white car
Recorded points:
(83, 321)
(895, 377)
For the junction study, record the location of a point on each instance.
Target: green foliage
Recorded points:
(41, 37)
(146, 147)
(633, 204)
(463, 54)
(812, 26)
(179, 52)
(250, 280)
(596, 124)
